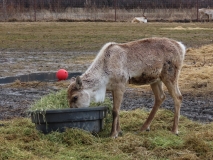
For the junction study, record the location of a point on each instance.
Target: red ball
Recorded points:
(62, 74)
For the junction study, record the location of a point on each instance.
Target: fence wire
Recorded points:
(101, 10)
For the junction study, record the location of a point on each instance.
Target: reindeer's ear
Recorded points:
(78, 82)
(72, 79)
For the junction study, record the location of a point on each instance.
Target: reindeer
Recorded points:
(139, 20)
(142, 19)
(206, 12)
(151, 61)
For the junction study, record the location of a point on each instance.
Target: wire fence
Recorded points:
(101, 10)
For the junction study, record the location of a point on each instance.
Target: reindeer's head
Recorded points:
(77, 96)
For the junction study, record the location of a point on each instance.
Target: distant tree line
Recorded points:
(127, 4)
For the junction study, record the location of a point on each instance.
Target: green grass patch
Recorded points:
(20, 140)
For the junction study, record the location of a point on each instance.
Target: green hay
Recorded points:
(20, 140)
(58, 100)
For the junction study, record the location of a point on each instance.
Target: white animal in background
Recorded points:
(206, 12)
(154, 61)
(139, 20)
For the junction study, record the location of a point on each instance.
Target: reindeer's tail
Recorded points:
(183, 50)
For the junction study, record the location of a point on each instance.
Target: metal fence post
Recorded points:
(115, 5)
(4, 5)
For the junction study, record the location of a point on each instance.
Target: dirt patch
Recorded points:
(195, 82)
(19, 63)
(15, 101)
(196, 107)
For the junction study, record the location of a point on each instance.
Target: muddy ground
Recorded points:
(16, 98)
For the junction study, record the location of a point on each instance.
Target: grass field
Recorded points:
(84, 36)
(20, 140)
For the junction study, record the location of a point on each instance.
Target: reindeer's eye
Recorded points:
(74, 98)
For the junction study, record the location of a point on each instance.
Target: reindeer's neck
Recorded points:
(95, 79)
(95, 84)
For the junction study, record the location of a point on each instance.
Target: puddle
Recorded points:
(41, 76)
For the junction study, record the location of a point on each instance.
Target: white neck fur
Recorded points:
(97, 93)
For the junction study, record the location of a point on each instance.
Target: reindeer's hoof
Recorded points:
(176, 133)
(114, 135)
(120, 133)
(145, 129)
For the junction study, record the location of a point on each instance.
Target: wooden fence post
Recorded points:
(115, 6)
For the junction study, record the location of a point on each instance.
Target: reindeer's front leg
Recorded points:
(117, 99)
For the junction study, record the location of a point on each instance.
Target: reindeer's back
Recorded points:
(143, 60)
(146, 59)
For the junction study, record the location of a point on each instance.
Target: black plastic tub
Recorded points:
(90, 119)
(40, 76)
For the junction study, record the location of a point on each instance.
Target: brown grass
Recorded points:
(196, 75)
(85, 36)
(20, 140)
(37, 84)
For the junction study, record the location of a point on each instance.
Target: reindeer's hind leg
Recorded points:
(159, 98)
(172, 86)
(117, 99)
